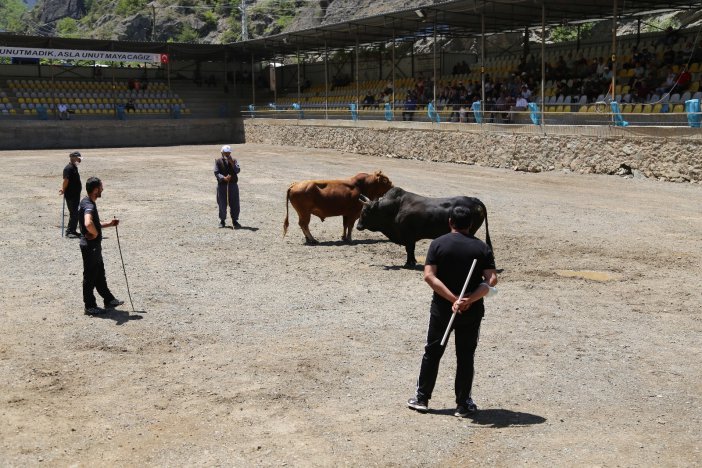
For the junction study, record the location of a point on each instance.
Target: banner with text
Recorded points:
(96, 55)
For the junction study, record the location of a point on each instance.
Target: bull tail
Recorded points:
(487, 230)
(286, 223)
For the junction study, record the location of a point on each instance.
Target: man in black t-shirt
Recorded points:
(70, 189)
(447, 265)
(91, 250)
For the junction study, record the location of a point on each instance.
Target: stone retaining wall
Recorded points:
(670, 154)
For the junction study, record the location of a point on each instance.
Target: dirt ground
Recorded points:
(248, 348)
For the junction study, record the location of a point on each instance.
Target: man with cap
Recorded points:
(226, 170)
(70, 189)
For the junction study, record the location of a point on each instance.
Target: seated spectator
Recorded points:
(521, 104)
(669, 83)
(368, 101)
(410, 106)
(63, 111)
(683, 81)
(129, 106)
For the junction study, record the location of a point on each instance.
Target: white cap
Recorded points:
(226, 149)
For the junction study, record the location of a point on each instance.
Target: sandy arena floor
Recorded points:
(248, 348)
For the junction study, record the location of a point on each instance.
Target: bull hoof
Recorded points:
(410, 266)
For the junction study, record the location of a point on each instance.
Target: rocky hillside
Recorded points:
(195, 21)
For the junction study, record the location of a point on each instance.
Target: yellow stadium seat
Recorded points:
(637, 109)
(679, 109)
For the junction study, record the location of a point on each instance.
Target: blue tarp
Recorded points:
(692, 107)
(534, 113)
(388, 112)
(252, 109)
(354, 112)
(618, 119)
(433, 115)
(475, 107)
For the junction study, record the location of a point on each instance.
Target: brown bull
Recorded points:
(325, 198)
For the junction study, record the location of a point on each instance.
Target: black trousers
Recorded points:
(94, 275)
(233, 195)
(466, 330)
(72, 205)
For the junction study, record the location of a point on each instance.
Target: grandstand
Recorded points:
(176, 98)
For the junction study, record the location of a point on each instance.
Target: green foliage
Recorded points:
(130, 7)
(660, 24)
(10, 15)
(188, 35)
(67, 27)
(570, 33)
(210, 18)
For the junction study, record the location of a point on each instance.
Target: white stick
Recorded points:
(463, 291)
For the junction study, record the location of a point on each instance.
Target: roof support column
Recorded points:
(326, 81)
(358, 90)
(543, 66)
(299, 98)
(482, 67)
(434, 67)
(253, 82)
(393, 71)
(614, 51)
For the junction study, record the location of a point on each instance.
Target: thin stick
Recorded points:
(63, 212)
(463, 291)
(124, 269)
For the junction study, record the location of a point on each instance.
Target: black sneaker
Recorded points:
(236, 225)
(419, 405)
(113, 303)
(469, 407)
(73, 235)
(221, 224)
(94, 310)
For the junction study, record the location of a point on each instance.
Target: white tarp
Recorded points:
(96, 55)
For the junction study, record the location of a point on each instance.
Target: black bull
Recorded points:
(406, 217)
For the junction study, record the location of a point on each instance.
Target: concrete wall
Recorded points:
(36, 134)
(665, 153)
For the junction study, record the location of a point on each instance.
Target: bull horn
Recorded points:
(364, 199)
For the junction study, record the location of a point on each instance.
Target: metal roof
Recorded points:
(455, 18)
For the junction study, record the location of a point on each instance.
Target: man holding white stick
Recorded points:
(449, 260)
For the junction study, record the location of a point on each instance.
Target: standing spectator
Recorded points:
(448, 260)
(226, 171)
(63, 111)
(91, 250)
(70, 189)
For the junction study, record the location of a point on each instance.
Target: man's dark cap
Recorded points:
(75, 154)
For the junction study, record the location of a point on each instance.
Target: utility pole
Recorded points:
(244, 22)
(153, 22)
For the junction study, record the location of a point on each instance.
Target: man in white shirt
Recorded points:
(63, 111)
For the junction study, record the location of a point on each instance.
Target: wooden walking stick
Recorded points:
(463, 291)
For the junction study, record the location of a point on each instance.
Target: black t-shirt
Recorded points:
(70, 172)
(89, 206)
(453, 254)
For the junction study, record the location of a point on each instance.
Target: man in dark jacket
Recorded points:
(70, 189)
(226, 171)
